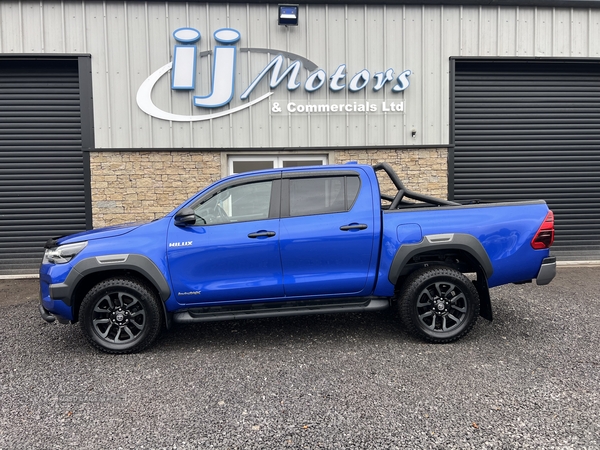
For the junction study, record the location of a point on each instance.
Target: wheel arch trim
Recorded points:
(136, 263)
(448, 241)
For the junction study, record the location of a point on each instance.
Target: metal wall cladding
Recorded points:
(128, 41)
(529, 130)
(42, 192)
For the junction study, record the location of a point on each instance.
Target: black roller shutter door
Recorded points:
(42, 186)
(529, 130)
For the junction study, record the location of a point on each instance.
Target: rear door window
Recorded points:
(322, 195)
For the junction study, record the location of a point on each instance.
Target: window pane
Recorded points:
(236, 204)
(352, 188)
(316, 196)
(250, 201)
(301, 163)
(246, 163)
(248, 166)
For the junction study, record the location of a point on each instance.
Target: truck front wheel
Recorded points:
(120, 315)
(438, 304)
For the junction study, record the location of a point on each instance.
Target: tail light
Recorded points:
(545, 235)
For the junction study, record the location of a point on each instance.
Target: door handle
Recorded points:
(261, 234)
(354, 226)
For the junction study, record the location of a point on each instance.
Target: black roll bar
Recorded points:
(404, 192)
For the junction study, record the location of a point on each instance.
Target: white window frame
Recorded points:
(276, 158)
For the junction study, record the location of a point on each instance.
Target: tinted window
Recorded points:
(322, 195)
(236, 204)
(352, 188)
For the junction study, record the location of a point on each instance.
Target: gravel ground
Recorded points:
(530, 379)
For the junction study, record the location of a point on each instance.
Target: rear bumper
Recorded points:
(547, 271)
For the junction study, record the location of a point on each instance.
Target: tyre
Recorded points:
(121, 315)
(438, 304)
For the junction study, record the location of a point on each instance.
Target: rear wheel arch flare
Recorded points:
(461, 243)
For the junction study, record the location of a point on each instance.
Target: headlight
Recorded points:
(64, 253)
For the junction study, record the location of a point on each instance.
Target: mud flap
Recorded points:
(485, 302)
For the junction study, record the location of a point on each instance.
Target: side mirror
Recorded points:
(186, 216)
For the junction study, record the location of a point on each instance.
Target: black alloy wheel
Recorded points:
(121, 315)
(438, 304)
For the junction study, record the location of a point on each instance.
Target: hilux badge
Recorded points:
(180, 244)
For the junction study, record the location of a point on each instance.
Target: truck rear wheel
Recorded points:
(438, 304)
(120, 315)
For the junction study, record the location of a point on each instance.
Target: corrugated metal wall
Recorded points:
(529, 130)
(42, 176)
(130, 40)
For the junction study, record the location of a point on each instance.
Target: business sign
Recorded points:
(183, 70)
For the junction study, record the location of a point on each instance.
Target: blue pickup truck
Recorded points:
(302, 240)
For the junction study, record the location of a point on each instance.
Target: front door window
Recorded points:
(241, 203)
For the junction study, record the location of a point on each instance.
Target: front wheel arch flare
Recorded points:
(93, 278)
(92, 267)
(136, 263)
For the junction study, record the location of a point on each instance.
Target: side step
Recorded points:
(264, 310)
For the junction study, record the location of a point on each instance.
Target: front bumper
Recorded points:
(46, 315)
(52, 307)
(547, 271)
(50, 317)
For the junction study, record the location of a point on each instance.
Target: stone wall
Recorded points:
(421, 170)
(142, 186)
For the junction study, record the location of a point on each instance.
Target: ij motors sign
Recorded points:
(183, 74)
